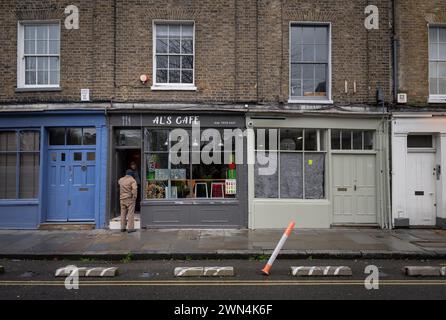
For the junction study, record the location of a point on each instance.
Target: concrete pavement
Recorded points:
(224, 244)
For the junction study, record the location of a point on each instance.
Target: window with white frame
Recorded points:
(174, 54)
(39, 55)
(437, 62)
(310, 62)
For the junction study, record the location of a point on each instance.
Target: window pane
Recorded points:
(30, 77)
(266, 176)
(310, 140)
(309, 88)
(29, 175)
(187, 62)
(433, 51)
(127, 138)
(8, 141)
(174, 45)
(29, 141)
(161, 31)
(157, 175)
(161, 76)
(296, 88)
(321, 53)
(187, 76)
(321, 35)
(357, 140)
(91, 156)
(162, 62)
(74, 136)
(291, 175)
(8, 182)
(30, 63)
(187, 31)
(419, 141)
(174, 31)
(368, 140)
(57, 136)
(77, 156)
(174, 76)
(42, 47)
(308, 35)
(442, 53)
(42, 77)
(30, 32)
(157, 140)
(442, 32)
(187, 46)
(442, 86)
(433, 86)
(54, 32)
(89, 136)
(441, 69)
(308, 53)
(291, 139)
(433, 35)
(174, 62)
(54, 77)
(336, 139)
(161, 45)
(314, 175)
(54, 47)
(42, 32)
(346, 140)
(30, 47)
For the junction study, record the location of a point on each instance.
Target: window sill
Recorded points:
(173, 88)
(310, 101)
(37, 89)
(437, 99)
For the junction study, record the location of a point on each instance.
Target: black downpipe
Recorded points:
(395, 45)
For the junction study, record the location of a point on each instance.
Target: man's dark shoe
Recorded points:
(131, 231)
(122, 230)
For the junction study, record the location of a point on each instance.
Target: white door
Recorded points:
(421, 195)
(354, 189)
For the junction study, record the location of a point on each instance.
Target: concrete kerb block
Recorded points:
(88, 272)
(218, 271)
(321, 271)
(443, 271)
(188, 271)
(422, 271)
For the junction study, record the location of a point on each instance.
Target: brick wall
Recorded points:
(413, 36)
(231, 66)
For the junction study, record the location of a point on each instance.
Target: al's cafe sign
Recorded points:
(176, 120)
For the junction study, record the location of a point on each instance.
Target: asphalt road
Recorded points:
(154, 280)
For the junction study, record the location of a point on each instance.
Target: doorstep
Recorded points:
(68, 226)
(115, 223)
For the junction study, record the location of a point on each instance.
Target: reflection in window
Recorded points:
(419, 141)
(72, 136)
(19, 164)
(165, 180)
(299, 166)
(128, 138)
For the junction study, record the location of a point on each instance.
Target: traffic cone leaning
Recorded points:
(279, 246)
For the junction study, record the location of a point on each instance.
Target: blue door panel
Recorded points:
(71, 185)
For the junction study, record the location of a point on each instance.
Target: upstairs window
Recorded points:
(39, 55)
(437, 64)
(173, 55)
(310, 62)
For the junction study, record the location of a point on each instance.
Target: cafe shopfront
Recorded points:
(201, 184)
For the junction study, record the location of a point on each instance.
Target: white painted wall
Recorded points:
(402, 125)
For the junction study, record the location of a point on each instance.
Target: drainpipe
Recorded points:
(395, 45)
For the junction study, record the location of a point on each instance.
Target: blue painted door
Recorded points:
(71, 185)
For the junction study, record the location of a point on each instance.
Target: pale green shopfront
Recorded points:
(332, 170)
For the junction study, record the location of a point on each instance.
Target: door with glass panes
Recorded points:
(71, 179)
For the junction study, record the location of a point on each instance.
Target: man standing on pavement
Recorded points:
(128, 194)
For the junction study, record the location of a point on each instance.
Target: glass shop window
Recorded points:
(352, 140)
(19, 164)
(293, 170)
(420, 141)
(128, 138)
(168, 179)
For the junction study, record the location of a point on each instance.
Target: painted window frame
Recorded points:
(21, 77)
(352, 147)
(322, 148)
(328, 99)
(18, 154)
(172, 86)
(434, 98)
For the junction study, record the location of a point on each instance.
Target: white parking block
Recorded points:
(88, 272)
(422, 271)
(218, 271)
(189, 271)
(443, 271)
(321, 271)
